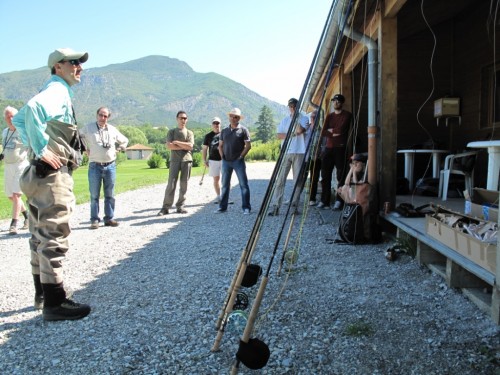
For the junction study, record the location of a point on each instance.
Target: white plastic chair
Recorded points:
(453, 164)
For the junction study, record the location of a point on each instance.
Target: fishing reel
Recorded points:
(241, 302)
(291, 257)
(237, 321)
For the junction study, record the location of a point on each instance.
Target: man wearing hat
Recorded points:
(211, 155)
(336, 132)
(234, 144)
(294, 157)
(47, 124)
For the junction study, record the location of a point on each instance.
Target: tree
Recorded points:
(266, 130)
(134, 135)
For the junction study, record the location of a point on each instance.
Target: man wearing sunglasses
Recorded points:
(180, 142)
(47, 124)
(102, 142)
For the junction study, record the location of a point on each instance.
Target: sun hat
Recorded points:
(66, 54)
(236, 112)
(216, 119)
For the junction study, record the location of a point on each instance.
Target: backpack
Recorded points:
(351, 226)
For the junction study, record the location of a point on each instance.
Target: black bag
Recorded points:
(351, 227)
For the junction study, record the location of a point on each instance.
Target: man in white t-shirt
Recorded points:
(294, 157)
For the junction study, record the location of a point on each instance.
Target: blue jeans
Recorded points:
(240, 168)
(99, 175)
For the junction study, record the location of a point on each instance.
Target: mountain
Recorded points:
(148, 90)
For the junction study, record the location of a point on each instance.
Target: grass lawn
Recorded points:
(130, 175)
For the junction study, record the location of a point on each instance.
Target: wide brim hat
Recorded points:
(66, 54)
(236, 112)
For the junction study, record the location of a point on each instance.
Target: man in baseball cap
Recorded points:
(211, 155)
(66, 54)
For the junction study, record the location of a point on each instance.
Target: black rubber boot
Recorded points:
(38, 292)
(58, 307)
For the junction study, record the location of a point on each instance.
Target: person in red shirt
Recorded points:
(336, 132)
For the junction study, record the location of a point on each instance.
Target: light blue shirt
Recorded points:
(53, 102)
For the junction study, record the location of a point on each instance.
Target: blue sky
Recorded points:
(265, 45)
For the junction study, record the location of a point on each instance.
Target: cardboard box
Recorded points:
(481, 253)
(483, 205)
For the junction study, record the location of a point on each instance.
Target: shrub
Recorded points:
(196, 159)
(121, 157)
(155, 161)
(264, 151)
(85, 160)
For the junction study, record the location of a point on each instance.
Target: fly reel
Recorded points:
(237, 321)
(291, 257)
(241, 302)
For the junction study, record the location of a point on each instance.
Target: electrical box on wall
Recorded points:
(446, 107)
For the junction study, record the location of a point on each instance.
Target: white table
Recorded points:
(493, 161)
(410, 162)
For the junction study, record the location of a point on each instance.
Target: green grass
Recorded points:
(130, 175)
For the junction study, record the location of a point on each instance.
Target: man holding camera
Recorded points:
(47, 125)
(102, 140)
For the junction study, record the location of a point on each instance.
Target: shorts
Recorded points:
(12, 174)
(214, 168)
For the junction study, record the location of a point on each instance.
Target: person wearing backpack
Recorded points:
(211, 155)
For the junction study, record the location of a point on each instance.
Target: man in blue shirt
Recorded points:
(47, 124)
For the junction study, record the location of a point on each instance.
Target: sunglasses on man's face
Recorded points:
(72, 62)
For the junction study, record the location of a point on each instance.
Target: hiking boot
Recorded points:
(94, 224)
(274, 212)
(67, 310)
(163, 211)
(12, 230)
(111, 223)
(181, 210)
(38, 301)
(25, 224)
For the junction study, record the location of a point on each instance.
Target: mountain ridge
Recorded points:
(148, 90)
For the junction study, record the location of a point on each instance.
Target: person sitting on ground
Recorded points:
(356, 175)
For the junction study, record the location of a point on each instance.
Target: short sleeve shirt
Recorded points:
(234, 141)
(183, 135)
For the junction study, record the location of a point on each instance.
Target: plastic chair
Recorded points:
(461, 164)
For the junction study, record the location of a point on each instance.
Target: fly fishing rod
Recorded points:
(203, 175)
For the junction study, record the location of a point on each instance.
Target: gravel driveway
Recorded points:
(157, 284)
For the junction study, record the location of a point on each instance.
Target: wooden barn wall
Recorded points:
(461, 51)
(474, 50)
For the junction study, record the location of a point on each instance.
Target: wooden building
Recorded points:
(395, 61)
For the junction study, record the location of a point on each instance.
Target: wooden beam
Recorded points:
(392, 7)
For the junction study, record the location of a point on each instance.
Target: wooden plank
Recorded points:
(392, 7)
(458, 277)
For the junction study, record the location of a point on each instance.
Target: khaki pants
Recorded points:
(184, 168)
(51, 203)
(293, 162)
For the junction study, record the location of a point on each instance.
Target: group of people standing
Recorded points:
(42, 146)
(326, 151)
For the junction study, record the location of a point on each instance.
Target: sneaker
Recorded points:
(246, 211)
(286, 202)
(111, 223)
(337, 206)
(162, 212)
(312, 203)
(181, 210)
(67, 310)
(321, 205)
(38, 301)
(94, 224)
(12, 230)
(25, 224)
(219, 211)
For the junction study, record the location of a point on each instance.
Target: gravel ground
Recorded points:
(157, 284)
